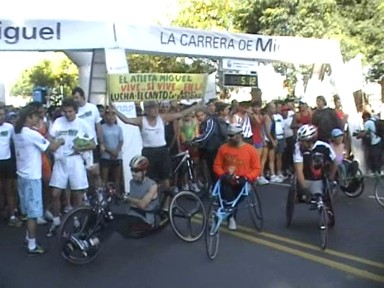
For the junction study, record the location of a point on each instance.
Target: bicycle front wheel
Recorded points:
(77, 228)
(254, 208)
(323, 225)
(187, 216)
(212, 233)
(379, 192)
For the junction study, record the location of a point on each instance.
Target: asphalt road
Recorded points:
(277, 257)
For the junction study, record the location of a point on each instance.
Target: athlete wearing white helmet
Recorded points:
(313, 159)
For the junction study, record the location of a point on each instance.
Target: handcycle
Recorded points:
(220, 209)
(84, 229)
(322, 202)
(187, 176)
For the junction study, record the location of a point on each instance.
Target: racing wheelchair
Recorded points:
(321, 202)
(84, 229)
(220, 210)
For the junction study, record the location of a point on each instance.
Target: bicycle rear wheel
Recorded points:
(254, 208)
(323, 225)
(379, 192)
(77, 228)
(187, 216)
(212, 233)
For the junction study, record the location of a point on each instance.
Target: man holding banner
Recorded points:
(153, 138)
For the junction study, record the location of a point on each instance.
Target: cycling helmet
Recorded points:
(139, 162)
(234, 129)
(307, 132)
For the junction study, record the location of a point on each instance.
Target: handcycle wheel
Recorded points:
(379, 192)
(354, 186)
(187, 216)
(212, 232)
(78, 225)
(329, 202)
(290, 207)
(323, 225)
(254, 208)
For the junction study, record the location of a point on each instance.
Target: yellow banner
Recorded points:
(155, 86)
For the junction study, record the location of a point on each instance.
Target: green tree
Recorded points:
(59, 74)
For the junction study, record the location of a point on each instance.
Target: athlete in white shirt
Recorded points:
(90, 114)
(7, 168)
(68, 164)
(29, 144)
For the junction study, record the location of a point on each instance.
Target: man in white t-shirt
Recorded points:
(68, 164)
(29, 144)
(90, 114)
(7, 168)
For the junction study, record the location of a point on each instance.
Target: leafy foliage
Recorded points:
(60, 73)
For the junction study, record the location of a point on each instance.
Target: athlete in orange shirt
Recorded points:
(235, 164)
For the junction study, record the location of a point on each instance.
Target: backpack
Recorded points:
(379, 125)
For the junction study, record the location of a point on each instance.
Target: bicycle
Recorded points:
(184, 176)
(84, 229)
(220, 210)
(318, 202)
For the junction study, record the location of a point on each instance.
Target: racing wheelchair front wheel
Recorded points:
(254, 208)
(77, 232)
(187, 216)
(212, 232)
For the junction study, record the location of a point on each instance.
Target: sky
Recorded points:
(143, 12)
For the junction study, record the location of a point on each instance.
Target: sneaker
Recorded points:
(37, 251)
(48, 215)
(52, 230)
(262, 181)
(281, 176)
(41, 221)
(276, 179)
(195, 188)
(15, 222)
(231, 223)
(23, 217)
(68, 209)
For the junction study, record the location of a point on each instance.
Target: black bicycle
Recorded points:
(84, 229)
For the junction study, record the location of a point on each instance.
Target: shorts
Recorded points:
(69, 169)
(258, 145)
(30, 194)
(110, 163)
(315, 186)
(281, 144)
(8, 169)
(159, 162)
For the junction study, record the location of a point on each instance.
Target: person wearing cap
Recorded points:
(153, 138)
(111, 157)
(236, 163)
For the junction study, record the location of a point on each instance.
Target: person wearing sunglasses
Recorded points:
(236, 163)
(143, 199)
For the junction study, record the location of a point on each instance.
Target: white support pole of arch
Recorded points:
(116, 61)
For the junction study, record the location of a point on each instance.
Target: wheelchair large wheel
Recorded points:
(354, 187)
(187, 216)
(323, 226)
(379, 192)
(290, 206)
(78, 227)
(254, 208)
(212, 232)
